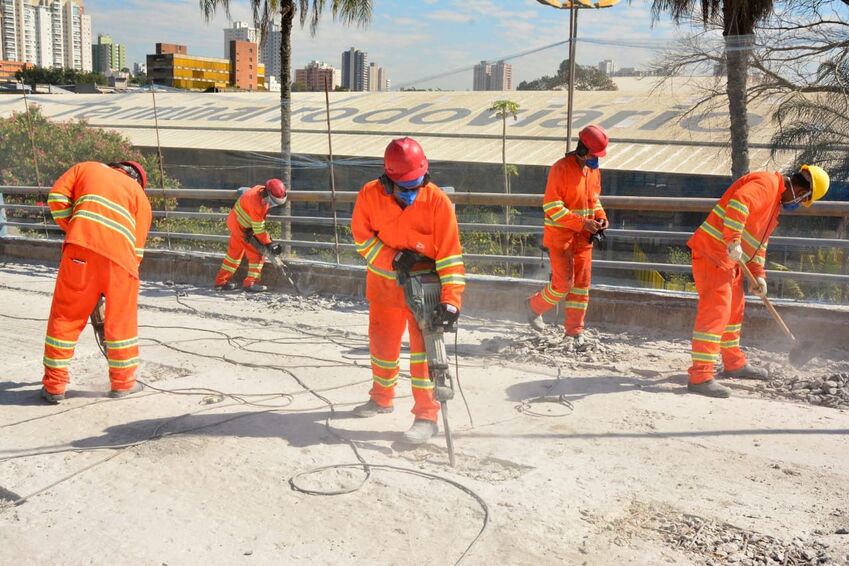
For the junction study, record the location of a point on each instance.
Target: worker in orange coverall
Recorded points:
(248, 218)
(574, 218)
(106, 217)
(396, 217)
(737, 230)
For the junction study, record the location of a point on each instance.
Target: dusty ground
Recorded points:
(611, 463)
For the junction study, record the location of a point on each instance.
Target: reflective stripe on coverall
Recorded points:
(248, 213)
(571, 195)
(381, 228)
(747, 213)
(106, 217)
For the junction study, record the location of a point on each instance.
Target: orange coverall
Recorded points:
(571, 195)
(106, 217)
(248, 214)
(746, 213)
(381, 229)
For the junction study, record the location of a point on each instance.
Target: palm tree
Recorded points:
(738, 19)
(502, 109)
(264, 13)
(818, 124)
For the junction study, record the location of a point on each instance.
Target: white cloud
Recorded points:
(449, 16)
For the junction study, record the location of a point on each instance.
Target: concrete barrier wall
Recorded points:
(503, 298)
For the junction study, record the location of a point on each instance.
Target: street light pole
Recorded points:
(573, 37)
(573, 6)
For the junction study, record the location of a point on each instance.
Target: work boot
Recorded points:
(748, 371)
(709, 388)
(371, 409)
(578, 339)
(118, 394)
(534, 319)
(255, 288)
(52, 398)
(229, 286)
(421, 431)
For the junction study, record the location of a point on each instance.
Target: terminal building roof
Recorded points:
(646, 127)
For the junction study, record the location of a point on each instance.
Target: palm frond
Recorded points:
(209, 7)
(347, 11)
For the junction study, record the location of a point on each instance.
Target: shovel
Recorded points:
(801, 352)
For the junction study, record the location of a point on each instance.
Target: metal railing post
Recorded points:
(3, 230)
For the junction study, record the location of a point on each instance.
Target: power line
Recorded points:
(635, 44)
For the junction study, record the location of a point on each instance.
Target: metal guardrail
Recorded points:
(652, 204)
(612, 202)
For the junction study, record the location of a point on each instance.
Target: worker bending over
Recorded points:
(737, 230)
(106, 217)
(573, 219)
(396, 218)
(246, 219)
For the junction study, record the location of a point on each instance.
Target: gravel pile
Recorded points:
(280, 301)
(821, 382)
(552, 347)
(722, 544)
(828, 391)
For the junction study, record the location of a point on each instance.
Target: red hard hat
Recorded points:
(276, 191)
(404, 160)
(142, 175)
(595, 139)
(275, 188)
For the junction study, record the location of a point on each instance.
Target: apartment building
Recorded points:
(47, 33)
(314, 76)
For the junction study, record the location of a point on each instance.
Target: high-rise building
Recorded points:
(314, 75)
(48, 33)
(378, 79)
(480, 79)
(107, 56)
(241, 31)
(101, 54)
(269, 51)
(355, 70)
(607, 67)
(501, 77)
(493, 77)
(9, 28)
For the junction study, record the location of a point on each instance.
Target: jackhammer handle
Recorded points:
(767, 303)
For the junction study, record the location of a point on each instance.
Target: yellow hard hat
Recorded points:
(819, 183)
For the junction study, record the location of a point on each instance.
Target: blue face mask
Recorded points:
(790, 205)
(591, 162)
(407, 197)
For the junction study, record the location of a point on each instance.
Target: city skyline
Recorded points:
(456, 34)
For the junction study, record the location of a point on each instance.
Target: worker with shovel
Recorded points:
(246, 222)
(731, 240)
(397, 219)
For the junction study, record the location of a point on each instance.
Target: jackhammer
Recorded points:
(98, 321)
(271, 256)
(423, 293)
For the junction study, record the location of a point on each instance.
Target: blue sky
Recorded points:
(411, 38)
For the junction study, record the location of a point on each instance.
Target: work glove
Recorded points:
(404, 261)
(603, 223)
(735, 251)
(760, 289)
(276, 248)
(445, 314)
